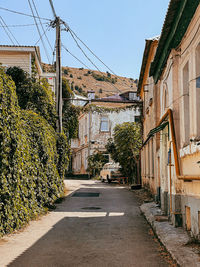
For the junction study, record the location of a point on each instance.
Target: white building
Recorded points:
(24, 57)
(96, 126)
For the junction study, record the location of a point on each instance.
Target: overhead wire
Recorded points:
(42, 36)
(8, 33)
(69, 28)
(21, 13)
(75, 57)
(52, 7)
(47, 55)
(44, 31)
(118, 90)
(20, 25)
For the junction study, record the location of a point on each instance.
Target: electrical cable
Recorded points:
(39, 32)
(8, 33)
(21, 13)
(118, 90)
(42, 35)
(5, 29)
(20, 25)
(75, 57)
(83, 51)
(42, 26)
(96, 55)
(53, 9)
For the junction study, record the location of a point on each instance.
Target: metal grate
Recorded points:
(85, 194)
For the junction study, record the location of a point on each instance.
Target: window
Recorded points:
(86, 126)
(186, 106)
(104, 127)
(132, 96)
(137, 118)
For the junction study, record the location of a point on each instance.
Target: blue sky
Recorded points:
(114, 29)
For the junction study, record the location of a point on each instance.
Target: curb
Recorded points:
(175, 240)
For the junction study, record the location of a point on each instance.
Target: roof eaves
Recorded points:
(144, 62)
(178, 17)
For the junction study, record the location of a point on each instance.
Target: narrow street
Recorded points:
(97, 225)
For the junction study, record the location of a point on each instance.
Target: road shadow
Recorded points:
(94, 241)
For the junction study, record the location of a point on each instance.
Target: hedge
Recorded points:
(33, 158)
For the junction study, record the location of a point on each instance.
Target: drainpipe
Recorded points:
(177, 167)
(170, 175)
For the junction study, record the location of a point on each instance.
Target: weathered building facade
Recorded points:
(172, 145)
(97, 124)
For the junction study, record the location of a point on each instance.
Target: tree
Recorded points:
(124, 147)
(96, 162)
(34, 95)
(70, 112)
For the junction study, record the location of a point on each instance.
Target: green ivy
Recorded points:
(33, 159)
(100, 109)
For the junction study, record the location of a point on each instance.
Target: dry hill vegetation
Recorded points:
(104, 84)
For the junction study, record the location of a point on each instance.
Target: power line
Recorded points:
(44, 32)
(21, 13)
(83, 51)
(118, 90)
(39, 31)
(42, 35)
(75, 57)
(20, 25)
(7, 33)
(52, 7)
(10, 31)
(96, 55)
(67, 50)
(92, 52)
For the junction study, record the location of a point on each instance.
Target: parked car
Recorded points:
(110, 172)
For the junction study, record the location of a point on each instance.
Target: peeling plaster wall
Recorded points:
(98, 139)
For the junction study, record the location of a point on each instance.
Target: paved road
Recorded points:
(104, 228)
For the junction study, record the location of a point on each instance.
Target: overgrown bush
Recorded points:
(34, 95)
(125, 146)
(32, 160)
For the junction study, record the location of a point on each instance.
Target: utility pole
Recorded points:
(58, 76)
(56, 24)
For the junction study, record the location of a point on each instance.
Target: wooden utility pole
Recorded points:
(58, 76)
(58, 70)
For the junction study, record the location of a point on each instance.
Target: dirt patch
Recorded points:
(143, 195)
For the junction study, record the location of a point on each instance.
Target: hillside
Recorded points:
(104, 84)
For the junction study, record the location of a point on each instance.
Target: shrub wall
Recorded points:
(32, 161)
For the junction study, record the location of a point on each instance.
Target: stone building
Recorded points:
(169, 87)
(96, 126)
